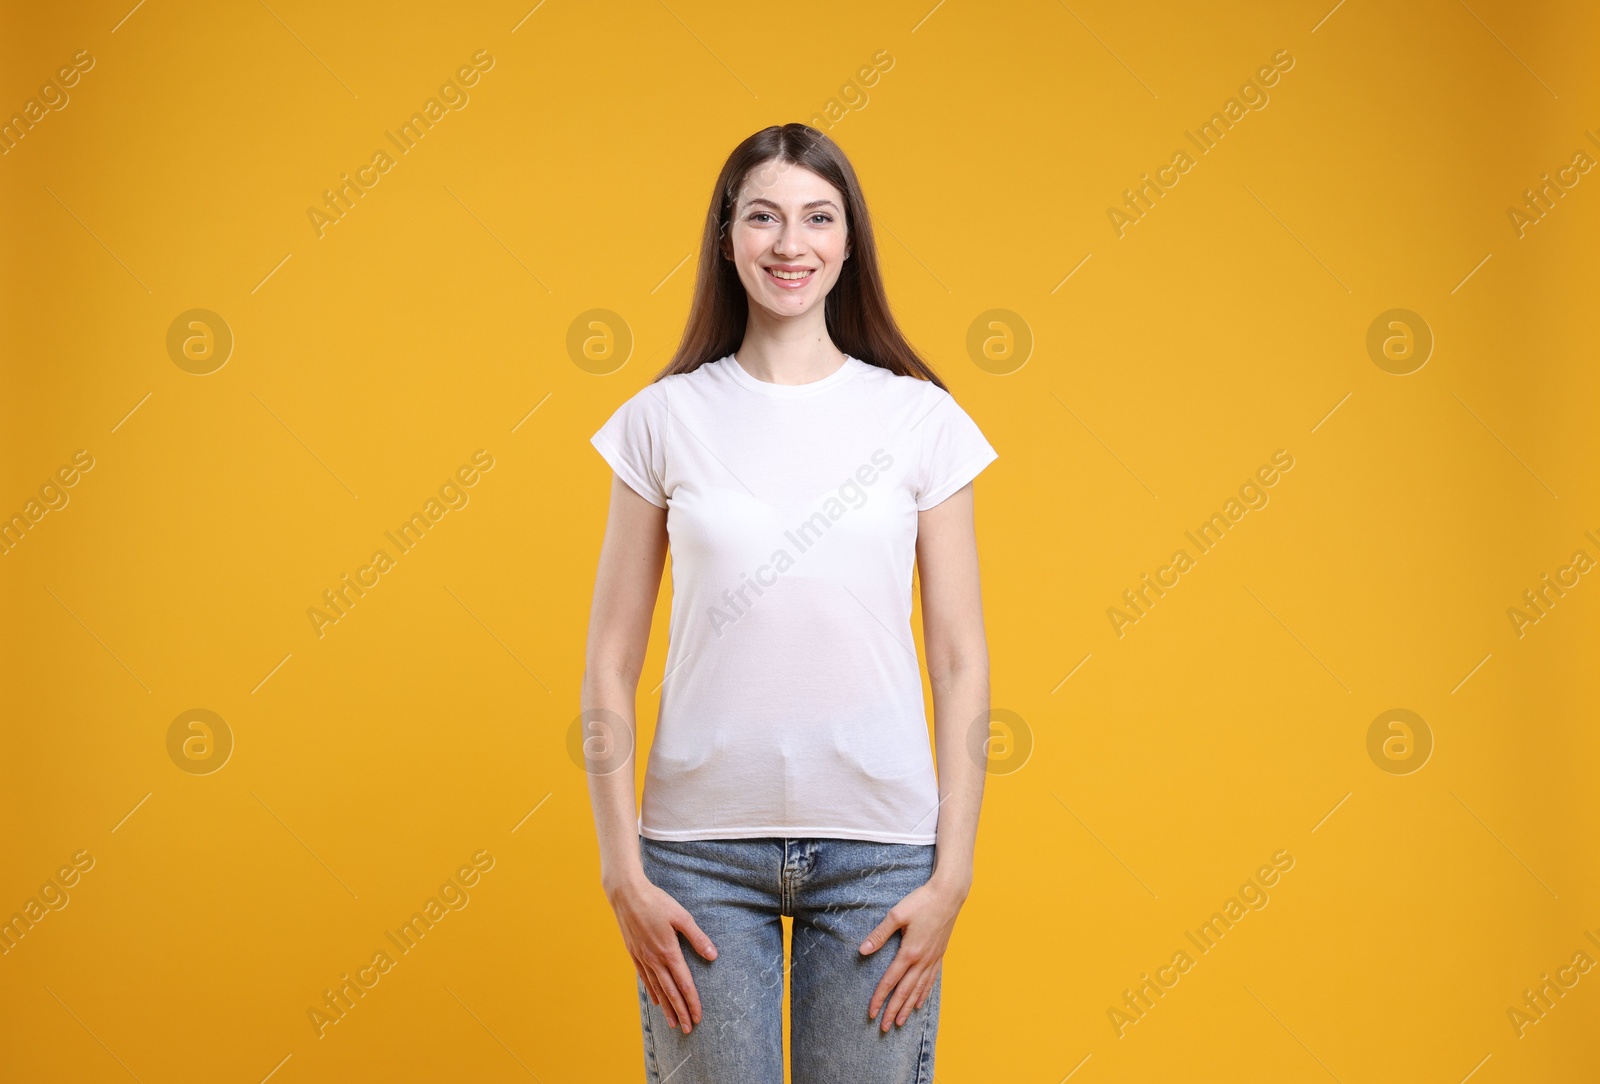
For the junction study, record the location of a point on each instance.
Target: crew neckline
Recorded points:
(850, 368)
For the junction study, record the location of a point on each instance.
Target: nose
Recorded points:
(788, 242)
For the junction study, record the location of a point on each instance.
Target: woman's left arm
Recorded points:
(958, 665)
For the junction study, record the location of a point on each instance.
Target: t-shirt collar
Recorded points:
(844, 372)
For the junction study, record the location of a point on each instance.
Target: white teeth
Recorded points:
(787, 274)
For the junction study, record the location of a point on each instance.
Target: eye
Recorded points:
(824, 215)
(758, 214)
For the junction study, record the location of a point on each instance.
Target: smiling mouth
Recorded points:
(789, 278)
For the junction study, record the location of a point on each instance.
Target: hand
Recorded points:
(650, 920)
(928, 915)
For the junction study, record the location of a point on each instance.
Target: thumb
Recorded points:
(696, 936)
(880, 935)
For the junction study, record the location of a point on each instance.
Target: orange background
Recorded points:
(1144, 378)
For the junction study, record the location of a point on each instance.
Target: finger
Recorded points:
(695, 935)
(643, 980)
(892, 1012)
(680, 971)
(649, 983)
(925, 987)
(664, 1002)
(881, 933)
(914, 985)
(897, 968)
(677, 1012)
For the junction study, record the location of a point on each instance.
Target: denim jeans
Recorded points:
(836, 891)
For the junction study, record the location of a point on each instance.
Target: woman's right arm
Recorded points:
(632, 556)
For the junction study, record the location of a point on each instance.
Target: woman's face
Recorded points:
(787, 237)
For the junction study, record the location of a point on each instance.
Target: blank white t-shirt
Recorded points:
(792, 702)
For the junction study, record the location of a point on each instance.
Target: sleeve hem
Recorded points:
(625, 470)
(966, 473)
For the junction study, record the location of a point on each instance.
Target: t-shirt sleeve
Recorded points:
(632, 441)
(954, 451)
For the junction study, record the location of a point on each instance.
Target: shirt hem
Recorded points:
(964, 474)
(624, 470)
(789, 832)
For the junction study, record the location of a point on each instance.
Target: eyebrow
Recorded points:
(814, 203)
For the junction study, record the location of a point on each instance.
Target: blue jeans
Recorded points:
(837, 891)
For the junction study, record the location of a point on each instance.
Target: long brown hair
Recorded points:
(856, 309)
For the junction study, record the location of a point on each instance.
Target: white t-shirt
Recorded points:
(792, 703)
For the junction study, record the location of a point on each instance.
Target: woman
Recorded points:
(797, 454)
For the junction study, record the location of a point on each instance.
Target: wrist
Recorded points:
(612, 884)
(953, 879)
